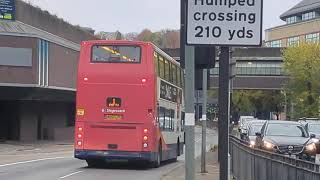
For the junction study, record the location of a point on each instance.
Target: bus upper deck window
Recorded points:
(116, 54)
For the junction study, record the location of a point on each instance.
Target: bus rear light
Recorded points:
(79, 143)
(79, 136)
(145, 145)
(145, 131)
(80, 129)
(144, 80)
(145, 138)
(80, 112)
(85, 79)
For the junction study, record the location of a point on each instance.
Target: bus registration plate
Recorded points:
(113, 117)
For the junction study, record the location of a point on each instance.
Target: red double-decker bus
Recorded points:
(130, 103)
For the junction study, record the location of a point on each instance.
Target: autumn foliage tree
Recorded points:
(302, 65)
(163, 39)
(145, 35)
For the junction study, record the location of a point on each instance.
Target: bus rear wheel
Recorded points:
(177, 151)
(95, 163)
(157, 162)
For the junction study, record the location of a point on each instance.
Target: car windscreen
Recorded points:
(291, 130)
(254, 129)
(315, 128)
(246, 120)
(116, 54)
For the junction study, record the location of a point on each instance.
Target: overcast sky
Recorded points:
(135, 15)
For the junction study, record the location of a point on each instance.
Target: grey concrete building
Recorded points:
(256, 68)
(38, 65)
(301, 25)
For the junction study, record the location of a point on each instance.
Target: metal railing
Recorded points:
(255, 164)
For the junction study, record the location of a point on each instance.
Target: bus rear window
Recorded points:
(116, 54)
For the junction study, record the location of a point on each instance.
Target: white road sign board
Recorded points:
(224, 22)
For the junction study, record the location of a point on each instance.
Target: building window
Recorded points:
(256, 69)
(291, 20)
(309, 15)
(293, 41)
(313, 38)
(276, 43)
(43, 62)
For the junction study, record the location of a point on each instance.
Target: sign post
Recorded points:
(189, 55)
(204, 122)
(224, 112)
(224, 23)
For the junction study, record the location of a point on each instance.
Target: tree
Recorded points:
(118, 35)
(170, 38)
(261, 103)
(145, 35)
(302, 65)
(163, 39)
(131, 36)
(242, 102)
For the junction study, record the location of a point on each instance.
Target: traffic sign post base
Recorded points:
(224, 112)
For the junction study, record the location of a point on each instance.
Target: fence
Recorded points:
(255, 164)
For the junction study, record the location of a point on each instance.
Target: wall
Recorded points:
(45, 121)
(9, 122)
(63, 65)
(43, 20)
(28, 122)
(21, 75)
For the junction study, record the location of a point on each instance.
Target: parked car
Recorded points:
(286, 137)
(314, 128)
(254, 126)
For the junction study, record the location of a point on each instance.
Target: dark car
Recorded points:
(253, 127)
(314, 128)
(286, 137)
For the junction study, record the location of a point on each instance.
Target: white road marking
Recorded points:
(31, 161)
(71, 174)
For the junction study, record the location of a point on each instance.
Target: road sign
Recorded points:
(7, 9)
(224, 22)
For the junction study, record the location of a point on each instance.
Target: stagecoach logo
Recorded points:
(290, 148)
(168, 92)
(113, 110)
(113, 102)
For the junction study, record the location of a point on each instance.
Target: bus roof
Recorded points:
(165, 54)
(162, 53)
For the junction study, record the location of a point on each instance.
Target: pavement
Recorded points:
(212, 169)
(55, 161)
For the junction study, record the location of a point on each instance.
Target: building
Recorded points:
(256, 69)
(302, 25)
(38, 66)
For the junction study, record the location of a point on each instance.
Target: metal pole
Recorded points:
(197, 108)
(190, 114)
(204, 123)
(224, 111)
(285, 105)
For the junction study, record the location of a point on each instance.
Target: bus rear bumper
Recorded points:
(115, 155)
